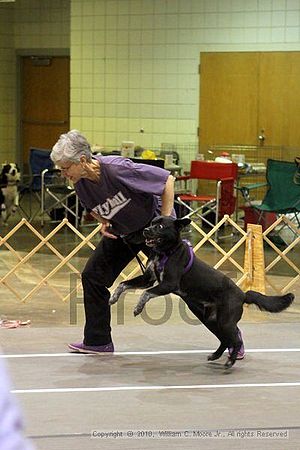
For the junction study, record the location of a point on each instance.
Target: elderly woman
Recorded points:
(124, 197)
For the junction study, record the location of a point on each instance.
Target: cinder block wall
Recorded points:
(134, 63)
(25, 25)
(7, 83)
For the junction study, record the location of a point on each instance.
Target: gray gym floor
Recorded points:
(158, 380)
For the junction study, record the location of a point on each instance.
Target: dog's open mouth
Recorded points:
(152, 242)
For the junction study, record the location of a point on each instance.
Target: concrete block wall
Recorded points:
(7, 83)
(25, 25)
(135, 62)
(42, 24)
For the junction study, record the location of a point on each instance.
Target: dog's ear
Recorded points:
(182, 223)
(3, 180)
(6, 168)
(3, 177)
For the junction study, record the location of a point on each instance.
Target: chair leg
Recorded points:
(195, 212)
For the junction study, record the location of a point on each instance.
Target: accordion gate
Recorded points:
(252, 275)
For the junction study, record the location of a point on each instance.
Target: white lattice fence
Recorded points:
(282, 255)
(23, 274)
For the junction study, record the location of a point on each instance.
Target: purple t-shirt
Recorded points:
(127, 194)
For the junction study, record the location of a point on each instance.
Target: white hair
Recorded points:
(70, 147)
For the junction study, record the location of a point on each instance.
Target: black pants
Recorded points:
(108, 260)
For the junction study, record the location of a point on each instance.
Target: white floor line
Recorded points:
(154, 388)
(145, 353)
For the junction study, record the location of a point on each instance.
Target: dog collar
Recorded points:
(164, 259)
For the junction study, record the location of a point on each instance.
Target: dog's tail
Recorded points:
(270, 303)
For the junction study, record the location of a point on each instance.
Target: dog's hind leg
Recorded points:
(228, 315)
(212, 326)
(231, 338)
(207, 315)
(218, 353)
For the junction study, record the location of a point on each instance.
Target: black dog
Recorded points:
(213, 297)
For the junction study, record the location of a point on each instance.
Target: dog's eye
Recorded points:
(160, 226)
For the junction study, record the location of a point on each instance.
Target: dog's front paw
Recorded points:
(116, 295)
(113, 299)
(145, 297)
(138, 309)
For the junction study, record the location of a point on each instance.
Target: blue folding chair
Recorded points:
(49, 189)
(39, 159)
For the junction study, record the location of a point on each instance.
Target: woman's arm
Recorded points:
(105, 225)
(167, 197)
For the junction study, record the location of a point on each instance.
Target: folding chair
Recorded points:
(58, 198)
(48, 189)
(283, 195)
(221, 202)
(39, 159)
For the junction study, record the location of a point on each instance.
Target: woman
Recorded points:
(124, 197)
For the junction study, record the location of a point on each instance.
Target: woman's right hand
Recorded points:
(105, 230)
(105, 226)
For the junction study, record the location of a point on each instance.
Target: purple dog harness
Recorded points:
(164, 259)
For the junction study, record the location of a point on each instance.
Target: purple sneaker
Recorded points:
(241, 352)
(80, 347)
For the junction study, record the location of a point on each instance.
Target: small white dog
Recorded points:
(9, 196)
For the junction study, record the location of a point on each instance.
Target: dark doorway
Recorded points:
(45, 102)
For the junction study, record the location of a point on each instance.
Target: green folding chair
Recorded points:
(283, 195)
